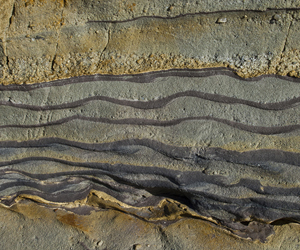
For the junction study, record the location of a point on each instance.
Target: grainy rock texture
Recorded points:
(149, 124)
(47, 40)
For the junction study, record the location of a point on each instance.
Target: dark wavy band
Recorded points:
(161, 102)
(144, 78)
(193, 14)
(266, 208)
(168, 123)
(253, 157)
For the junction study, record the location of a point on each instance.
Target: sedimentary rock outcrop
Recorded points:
(163, 115)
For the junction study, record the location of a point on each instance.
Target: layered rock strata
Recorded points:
(152, 118)
(159, 146)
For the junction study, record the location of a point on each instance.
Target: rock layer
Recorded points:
(151, 117)
(160, 146)
(48, 40)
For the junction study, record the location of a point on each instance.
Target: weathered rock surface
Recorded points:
(47, 40)
(35, 227)
(161, 147)
(149, 124)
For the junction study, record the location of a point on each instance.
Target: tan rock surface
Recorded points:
(36, 226)
(47, 40)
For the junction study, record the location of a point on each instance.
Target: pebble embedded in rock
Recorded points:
(170, 8)
(222, 20)
(276, 17)
(100, 243)
(137, 246)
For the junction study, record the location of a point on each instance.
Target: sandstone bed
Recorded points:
(149, 124)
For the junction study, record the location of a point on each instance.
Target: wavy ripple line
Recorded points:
(175, 152)
(194, 14)
(147, 77)
(147, 122)
(178, 187)
(92, 175)
(161, 102)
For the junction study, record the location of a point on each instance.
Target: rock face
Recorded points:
(149, 124)
(48, 40)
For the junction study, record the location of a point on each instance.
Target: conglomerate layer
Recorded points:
(149, 124)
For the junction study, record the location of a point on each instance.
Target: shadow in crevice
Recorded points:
(284, 221)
